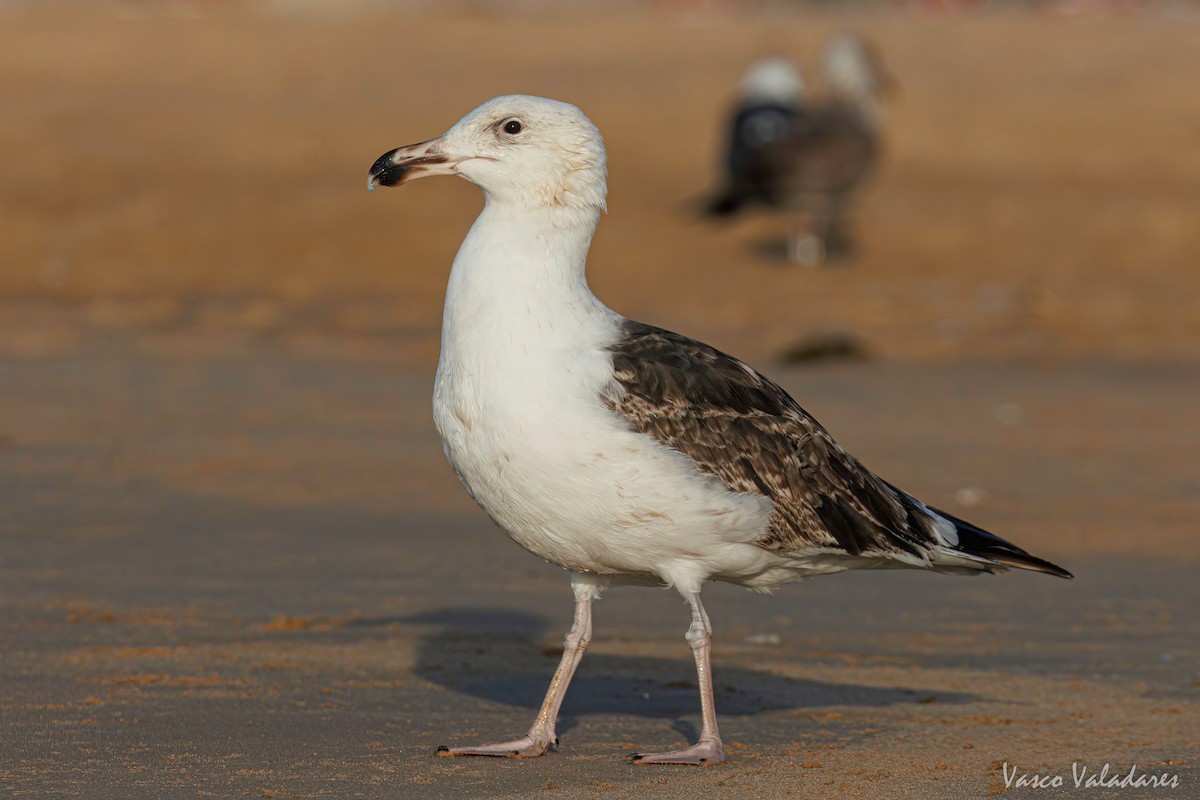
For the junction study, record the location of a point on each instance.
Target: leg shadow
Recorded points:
(507, 657)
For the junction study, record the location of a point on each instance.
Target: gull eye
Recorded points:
(513, 126)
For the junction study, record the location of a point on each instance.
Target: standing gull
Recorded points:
(806, 157)
(622, 452)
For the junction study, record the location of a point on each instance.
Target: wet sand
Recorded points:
(233, 571)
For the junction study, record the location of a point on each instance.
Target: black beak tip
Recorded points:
(385, 171)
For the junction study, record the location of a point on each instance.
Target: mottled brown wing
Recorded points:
(830, 150)
(739, 426)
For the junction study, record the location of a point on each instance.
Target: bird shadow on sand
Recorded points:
(774, 250)
(507, 656)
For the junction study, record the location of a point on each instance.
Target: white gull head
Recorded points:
(773, 80)
(520, 150)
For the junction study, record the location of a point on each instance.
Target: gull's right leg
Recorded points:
(709, 749)
(541, 734)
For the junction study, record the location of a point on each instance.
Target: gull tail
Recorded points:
(978, 543)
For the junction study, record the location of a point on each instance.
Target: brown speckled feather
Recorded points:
(739, 426)
(830, 149)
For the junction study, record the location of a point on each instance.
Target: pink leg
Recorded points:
(708, 750)
(541, 734)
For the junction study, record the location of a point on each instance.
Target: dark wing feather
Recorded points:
(750, 172)
(739, 426)
(806, 158)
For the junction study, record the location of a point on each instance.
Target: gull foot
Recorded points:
(705, 751)
(525, 747)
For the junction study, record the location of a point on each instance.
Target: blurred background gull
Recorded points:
(807, 158)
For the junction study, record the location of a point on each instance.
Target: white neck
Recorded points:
(518, 283)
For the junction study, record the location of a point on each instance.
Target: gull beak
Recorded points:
(410, 162)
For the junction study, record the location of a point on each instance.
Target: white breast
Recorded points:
(518, 404)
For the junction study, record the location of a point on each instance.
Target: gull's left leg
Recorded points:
(541, 734)
(708, 750)
(838, 234)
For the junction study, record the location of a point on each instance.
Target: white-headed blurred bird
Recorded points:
(804, 156)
